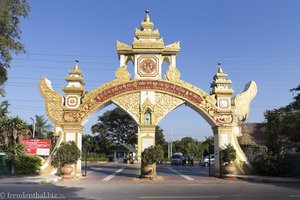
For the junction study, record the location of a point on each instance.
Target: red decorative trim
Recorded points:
(148, 85)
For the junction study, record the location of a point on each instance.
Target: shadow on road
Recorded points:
(133, 170)
(40, 191)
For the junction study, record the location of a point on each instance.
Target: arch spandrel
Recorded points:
(130, 103)
(180, 89)
(172, 87)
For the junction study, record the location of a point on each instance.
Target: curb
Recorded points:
(264, 179)
(41, 181)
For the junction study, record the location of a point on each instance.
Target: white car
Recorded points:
(205, 160)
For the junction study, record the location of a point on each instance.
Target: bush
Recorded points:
(152, 155)
(14, 151)
(268, 164)
(27, 164)
(94, 157)
(229, 154)
(67, 153)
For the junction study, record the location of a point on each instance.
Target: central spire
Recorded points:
(147, 24)
(147, 39)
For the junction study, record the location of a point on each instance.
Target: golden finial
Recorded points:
(220, 68)
(76, 65)
(147, 18)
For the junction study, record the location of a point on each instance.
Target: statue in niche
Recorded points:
(148, 117)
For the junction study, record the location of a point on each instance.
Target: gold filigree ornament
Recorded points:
(224, 118)
(165, 103)
(70, 116)
(242, 101)
(172, 74)
(54, 101)
(130, 103)
(122, 74)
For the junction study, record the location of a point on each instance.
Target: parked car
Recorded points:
(205, 160)
(176, 159)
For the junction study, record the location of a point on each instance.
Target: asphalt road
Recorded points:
(121, 182)
(123, 191)
(124, 172)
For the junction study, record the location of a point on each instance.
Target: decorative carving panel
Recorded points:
(148, 66)
(129, 102)
(54, 101)
(72, 101)
(242, 101)
(165, 103)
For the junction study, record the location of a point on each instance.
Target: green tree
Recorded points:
(283, 125)
(12, 131)
(88, 143)
(10, 33)
(102, 142)
(207, 146)
(160, 140)
(188, 146)
(4, 109)
(283, 133)
(14, 151)
(159, 136)
(42, 127)
(117, 126)
(19, 129)
(5, 133)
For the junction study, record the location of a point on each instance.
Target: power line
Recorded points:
(91, 87)
(64, 68)
(54, 79)
(202, 58)
(62, 61)
(69, 55)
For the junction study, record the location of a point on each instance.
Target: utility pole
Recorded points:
(170, 145)
(33, 128)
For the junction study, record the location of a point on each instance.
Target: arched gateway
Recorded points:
(147, 97)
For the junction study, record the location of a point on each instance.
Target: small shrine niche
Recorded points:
(148, 117)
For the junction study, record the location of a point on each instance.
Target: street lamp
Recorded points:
(33, 129)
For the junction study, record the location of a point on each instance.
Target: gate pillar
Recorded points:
(146, 138)
(222, 137)
(73, 132)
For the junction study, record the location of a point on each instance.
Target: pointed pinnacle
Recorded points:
(147, 18)
(220, 70)
(76, 65)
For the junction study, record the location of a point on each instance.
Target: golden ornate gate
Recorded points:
(147, 97)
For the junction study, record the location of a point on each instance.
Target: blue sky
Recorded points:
(254, 40)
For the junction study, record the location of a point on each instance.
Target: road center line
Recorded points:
(114, 174)
(180, 197)
(180, 174)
